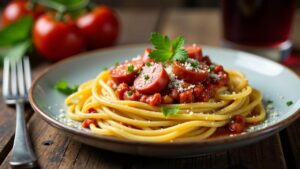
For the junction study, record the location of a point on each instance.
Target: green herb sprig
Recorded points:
(169, 111)
(167, 50)
(63, 87)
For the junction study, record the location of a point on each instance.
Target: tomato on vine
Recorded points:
(57, 39)
(100, 27)
(17, 9)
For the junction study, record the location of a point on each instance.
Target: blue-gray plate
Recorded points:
(276, 82)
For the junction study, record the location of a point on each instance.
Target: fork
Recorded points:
(16, 83)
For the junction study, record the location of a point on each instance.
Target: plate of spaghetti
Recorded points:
(168, 99)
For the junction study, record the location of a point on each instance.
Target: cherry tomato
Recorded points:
(17, 9)
(55, 39)
(100, 27)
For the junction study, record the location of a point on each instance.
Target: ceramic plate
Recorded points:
(276, 82)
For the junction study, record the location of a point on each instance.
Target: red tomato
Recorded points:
(100, 27)
(87, 122)
(237, 124)
(17, 9)
(55, 39)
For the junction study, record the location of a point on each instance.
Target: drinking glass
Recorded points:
(259, 26)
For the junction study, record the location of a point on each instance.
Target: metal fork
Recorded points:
(16, 83)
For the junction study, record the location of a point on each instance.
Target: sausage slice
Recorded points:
(189, 74)
(123, 73)
(152, 79)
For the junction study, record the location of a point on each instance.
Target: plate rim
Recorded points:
(210, 141)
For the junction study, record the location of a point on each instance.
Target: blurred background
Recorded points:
(155, 3)
(201, 11)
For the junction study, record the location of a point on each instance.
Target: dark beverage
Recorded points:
(257, 22)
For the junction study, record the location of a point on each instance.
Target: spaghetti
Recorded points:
(107, 113)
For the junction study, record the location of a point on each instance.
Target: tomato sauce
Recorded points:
(195, 80)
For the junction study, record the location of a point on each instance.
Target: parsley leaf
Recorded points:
(160, 42)
(129, 93)
(168, 111)
(148, 64)
(178, 43)
(146, 77)
(130, 68)
(180, 55)
(289, 103)
(166, 50)
(160, 55)
(62, 86)
(194, 63)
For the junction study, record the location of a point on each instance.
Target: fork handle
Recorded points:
(22, 153)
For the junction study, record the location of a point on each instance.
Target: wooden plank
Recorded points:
(64, 152)
(55, 150)
(292, 137)
(261, 155)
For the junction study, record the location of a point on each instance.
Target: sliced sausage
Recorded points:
(121, 73)
(194, 52)
(146, 57)
(152, 79)
(189, 74)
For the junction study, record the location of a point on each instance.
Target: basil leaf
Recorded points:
(18, 51)
(16, 32)
(63, 87)
(168, 111)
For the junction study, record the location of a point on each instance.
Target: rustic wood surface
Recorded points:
(55, 150)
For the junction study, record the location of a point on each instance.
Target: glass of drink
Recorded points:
(259, 26)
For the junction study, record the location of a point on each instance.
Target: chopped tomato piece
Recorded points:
(122, 88)
(186, 97)
(87, 122)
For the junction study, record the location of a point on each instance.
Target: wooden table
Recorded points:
(57, 151)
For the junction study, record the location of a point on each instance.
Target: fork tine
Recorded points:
(20, 76)
(27, 73)
(5, 87)
(13, 69)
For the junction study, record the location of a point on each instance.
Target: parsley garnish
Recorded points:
(193, 62)
(105, 68)
(117, 64)
(130, 68)
(146, 77)
(289, 103)
(148, 64)
(169, 111)
(62, 86)
(269, 102)
(211, 68)
(129, 93)
(166, 50)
